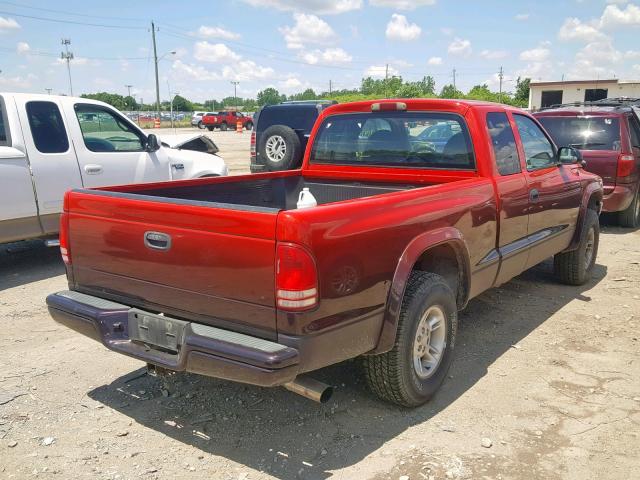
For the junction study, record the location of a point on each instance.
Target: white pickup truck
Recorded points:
(50, 144)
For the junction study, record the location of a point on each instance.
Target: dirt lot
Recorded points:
(548, 375)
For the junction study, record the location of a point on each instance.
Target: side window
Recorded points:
(634, 129)
(47, 127)
(104, 131)
(4, 127)
(504, 143)
(538, 150)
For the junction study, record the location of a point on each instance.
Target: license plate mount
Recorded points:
(156, 330)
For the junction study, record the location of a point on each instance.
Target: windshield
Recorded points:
(394, 139)
(586, 133)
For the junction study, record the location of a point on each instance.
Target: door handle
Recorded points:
(157, 240)
(534, 195)
(93, 169)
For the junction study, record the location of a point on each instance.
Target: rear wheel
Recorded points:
(411, 372)
(249, 126)
(223, 127)
(200, 125)
(630, 218)
(210, 129)
(576, 267)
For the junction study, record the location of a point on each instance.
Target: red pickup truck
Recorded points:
(225, 120)
(226, 277)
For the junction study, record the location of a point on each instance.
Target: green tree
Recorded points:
(449, 91)
(181, 104)
(270, 96)
(521, 96)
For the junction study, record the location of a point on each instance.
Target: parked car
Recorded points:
(281, 133)
(608, 135)
(227, 278)
(50, 144)
(196, 119)
(225, 120)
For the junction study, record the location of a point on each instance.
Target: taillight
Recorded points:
(626, 164)
(296, 278)
(64, 238)
(252, 148)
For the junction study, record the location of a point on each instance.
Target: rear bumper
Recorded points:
(203, 350)
(619, 199)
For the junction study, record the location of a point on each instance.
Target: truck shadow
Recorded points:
(26, 262)
(289, 437)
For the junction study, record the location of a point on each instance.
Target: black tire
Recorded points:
(289, 141)
(249, 126)
(200, 125)
(392, 375)
(630, 218)
(576, 267)
(210, 129)
(223, 126)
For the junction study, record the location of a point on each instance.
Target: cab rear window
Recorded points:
(585, 133)
(395, 139)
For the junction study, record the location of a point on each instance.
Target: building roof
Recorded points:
(575, 82)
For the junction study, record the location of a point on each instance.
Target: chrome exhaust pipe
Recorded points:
(310, 388)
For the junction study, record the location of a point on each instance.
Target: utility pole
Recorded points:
(67, 55)
(500, 76)
(386, 81)
(454, 78)
(235, 96)
(129, 89)
(329, 86)
(155, 61)
(48, 90)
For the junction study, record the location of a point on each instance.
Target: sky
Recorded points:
(296, 44)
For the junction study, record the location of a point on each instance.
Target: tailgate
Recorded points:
(603, 163)
(205, 263)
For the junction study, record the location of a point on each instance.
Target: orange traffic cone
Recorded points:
(238, 126)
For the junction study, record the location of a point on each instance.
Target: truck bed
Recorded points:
(264, 195)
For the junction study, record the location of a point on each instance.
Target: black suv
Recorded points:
(281, 133)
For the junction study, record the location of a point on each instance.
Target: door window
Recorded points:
(105, 131)
(47, 127)
(538, 150)
(4, 127)
(634, 129)
(504, 143)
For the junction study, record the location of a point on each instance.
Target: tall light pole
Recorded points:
(129, 89)
(68, 56)
(48, 90)
(235, 96)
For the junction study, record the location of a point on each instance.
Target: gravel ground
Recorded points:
(545, 385)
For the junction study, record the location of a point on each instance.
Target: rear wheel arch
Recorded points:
(591, 200)
(442, 252)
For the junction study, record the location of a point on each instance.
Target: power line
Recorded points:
(85, 24)
(84, 15)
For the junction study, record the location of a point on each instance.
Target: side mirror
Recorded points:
(569, 156)
(152, 143)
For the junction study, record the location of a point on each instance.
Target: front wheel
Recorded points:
(210, 129)
(576, 267)
(223, 127)
(630, 218)
(249, 126)
(200, 125)
(411, 372)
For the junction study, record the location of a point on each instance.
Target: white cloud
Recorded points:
(246, 70)
(402, 4)
(307, 29)
(522, 17)
(194, 72)
(291, 83)
(18, 82)
(399, 28)
(79, 61)
(22, 48)
(575, 29)
(434, 61)
(538, 54)
(460, 47)
(326, 57)
(7, 24)
(320, 7)
(214, 52)
(494, 54)
(632, 54)
(614, 16)
(217, 32)
(380, 71)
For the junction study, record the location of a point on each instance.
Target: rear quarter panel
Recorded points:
(358, 245)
